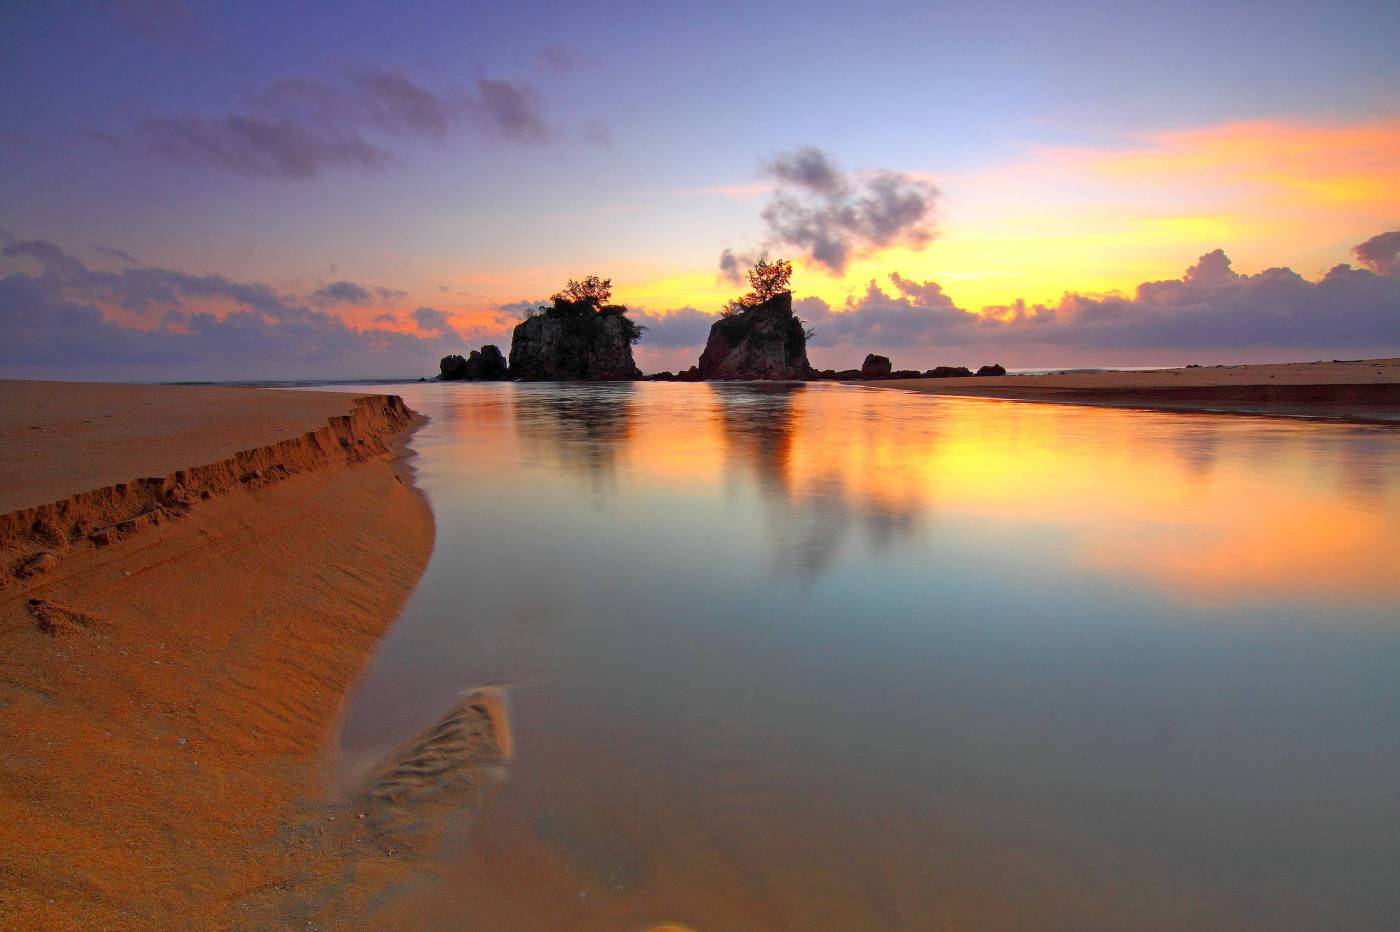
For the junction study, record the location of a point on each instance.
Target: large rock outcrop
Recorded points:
(484, 365)
(579, 345)
(766, 341)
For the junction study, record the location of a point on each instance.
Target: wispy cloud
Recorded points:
(300, 127)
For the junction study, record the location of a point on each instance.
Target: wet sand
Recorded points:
(1360, 390)
(169, 679)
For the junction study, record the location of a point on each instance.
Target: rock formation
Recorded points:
(765, 341)
(993, 369)
(484, 365)
(575, 343)
(948, 372)
(875, 367)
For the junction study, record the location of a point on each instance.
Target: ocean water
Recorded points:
(821, 656)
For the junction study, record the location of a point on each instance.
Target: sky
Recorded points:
(344, 190)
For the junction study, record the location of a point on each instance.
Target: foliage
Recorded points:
(592, 290)
(588, 299)
(767, 280)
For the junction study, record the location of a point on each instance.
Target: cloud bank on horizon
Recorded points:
(63, 319)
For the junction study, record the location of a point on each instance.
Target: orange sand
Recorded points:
(1362, 390)
(161, 750)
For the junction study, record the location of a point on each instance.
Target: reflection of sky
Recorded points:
(820, 655)
(1199, 506)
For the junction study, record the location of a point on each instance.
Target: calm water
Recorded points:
(828, 657)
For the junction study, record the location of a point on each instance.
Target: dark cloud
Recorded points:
(833, 217)
(431, 320)
(340, 293)
(299, 127)
(343, 292)
(732, 267)
(1380, 253)
(809, 168)
(52, 324)
(113, 253)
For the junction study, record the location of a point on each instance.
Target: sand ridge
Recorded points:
(163, 743)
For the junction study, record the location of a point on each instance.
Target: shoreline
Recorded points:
(1360, 391)
(169, 690)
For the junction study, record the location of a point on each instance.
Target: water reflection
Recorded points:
(585, 428)
(828, 657)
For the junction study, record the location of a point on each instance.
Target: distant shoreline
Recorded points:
(1360, 391)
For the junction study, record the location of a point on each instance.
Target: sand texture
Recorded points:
(167, 690)
(1360, 390)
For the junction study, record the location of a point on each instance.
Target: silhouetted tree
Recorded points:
(767, 279)
(582, 300)
(592, 290)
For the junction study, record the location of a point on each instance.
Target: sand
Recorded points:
(167, 691)
(1359, 390)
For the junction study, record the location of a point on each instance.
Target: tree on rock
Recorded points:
(578, 336)
(767, 279)
(592, 290)
(589, 298)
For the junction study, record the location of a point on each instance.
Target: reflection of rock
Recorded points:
(573, 345)
(810, 515)
(765, 341)
(585, 426)
(993, 369)
(484, 365)
(875, 367)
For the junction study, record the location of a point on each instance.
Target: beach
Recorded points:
(194, 578)
(1361, 390)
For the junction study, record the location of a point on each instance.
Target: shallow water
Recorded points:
(831, 657)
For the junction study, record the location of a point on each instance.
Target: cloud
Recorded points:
(343, 292)
(510, 110)
(809, 168)
(256, 147)
(732, 267)
(113, 253)
(299, 127)
(431, 320)
(833, 217)
(1380, 253)
(1210, 307)
(153, 323)
(340, 293)
(685, 326)
(386, 318)
(519, 310)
